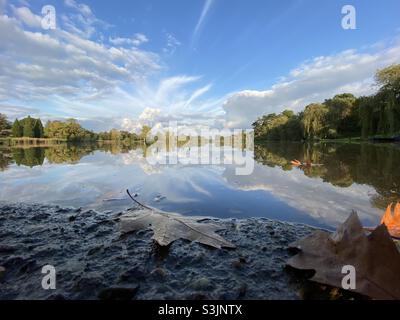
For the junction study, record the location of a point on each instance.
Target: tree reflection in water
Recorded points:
(376, 165)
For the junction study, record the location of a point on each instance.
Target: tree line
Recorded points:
(342, 116)
(68, 130)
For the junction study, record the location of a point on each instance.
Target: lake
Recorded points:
(363, 177)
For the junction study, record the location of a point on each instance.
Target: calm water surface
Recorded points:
(361, 177)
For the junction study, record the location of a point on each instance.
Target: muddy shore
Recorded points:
(93, 260)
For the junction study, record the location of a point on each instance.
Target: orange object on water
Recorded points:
(392, 219)
(296, 163)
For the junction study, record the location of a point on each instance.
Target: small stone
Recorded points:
(242, 290)
(238, 264)
(118, 293)
(71, 218)
(201, 284)
(159, 273)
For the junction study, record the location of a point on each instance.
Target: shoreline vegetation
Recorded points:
(341, 118)
(30, 131)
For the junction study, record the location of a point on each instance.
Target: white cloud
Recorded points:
(136, 40)
(81, 7)
(14, 112)
(315, 80)
(82, 22)
(37, 65)
(296, 190)
(25, 15)
(159, 119)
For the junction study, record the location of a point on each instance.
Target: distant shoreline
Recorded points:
(339, 140)
(48, 141)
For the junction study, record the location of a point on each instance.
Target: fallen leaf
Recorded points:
(375, 258)
(392, 221)
(168, 227)
(296, 163)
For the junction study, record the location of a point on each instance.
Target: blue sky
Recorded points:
(122, 63)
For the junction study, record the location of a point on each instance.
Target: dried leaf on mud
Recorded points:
(375, 257)
(168, 227)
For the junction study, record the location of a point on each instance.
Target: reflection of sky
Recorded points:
(321, 200)
(99, 181)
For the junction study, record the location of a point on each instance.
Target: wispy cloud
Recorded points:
(206, 8)
(172, 44)
(136, 40)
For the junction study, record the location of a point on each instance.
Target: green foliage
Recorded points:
(389, 77)
(69, 130)
(284, 126)
(342, 116)
(4, 123)
(28, 127)
(314, 121)
(17, 129)
(380, 113)
(30, 157)
(116, 135)
(370, 164)
(38, 129)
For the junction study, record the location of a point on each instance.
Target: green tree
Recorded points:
(343, 117)
(5, 125)
(28, 127)
(17, 130)
(380, 113)
(38, 129)
(389, 77)
(314, 121)
(283, 126)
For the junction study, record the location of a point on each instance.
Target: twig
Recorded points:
(140, 204)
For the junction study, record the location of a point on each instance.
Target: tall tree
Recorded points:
(38, 129)
(380, 113)
(17, 130)
(28, 127)
(314, 121)
(4, 123)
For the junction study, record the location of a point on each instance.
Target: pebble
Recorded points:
(202, 283)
